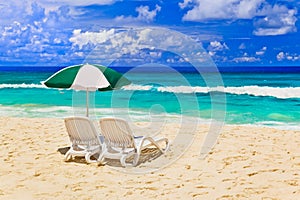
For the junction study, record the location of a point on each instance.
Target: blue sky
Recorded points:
(232, 32)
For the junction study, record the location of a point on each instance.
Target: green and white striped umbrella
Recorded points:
(87, 77)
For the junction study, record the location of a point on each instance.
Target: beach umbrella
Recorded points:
(87, 77)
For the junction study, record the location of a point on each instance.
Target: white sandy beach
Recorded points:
(247, 163)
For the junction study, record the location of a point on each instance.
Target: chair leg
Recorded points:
(68, 156)
(155, 143)
(123, 161)
(136, 159)
(134, 162)
(101, 157)
(163, 150)
(88, 158)
(167, 146)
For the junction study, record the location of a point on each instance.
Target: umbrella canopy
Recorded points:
(87, 77)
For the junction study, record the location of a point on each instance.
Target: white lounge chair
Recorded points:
(85, 139)
(122, 144)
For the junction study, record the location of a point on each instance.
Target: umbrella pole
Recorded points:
(87, 103)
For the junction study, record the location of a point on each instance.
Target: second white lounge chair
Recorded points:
(122, 144)
(85, 139)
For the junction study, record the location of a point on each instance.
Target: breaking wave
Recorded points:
(277, 92)
(22, 85)
(254, 90)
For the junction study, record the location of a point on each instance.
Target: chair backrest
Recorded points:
(82, 131)
(117, 133)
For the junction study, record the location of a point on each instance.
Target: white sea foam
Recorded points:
(34, 110)
(22, 85)
(254, 90)
(281, 93)
(278, 92)
(184, 89)
(138, 87)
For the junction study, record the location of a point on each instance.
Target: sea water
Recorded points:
(271, 99)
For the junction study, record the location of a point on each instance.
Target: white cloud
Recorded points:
(78, 2)
(19, 9)
(273, 31)
(281, 56)
(33, 35)
(144, 15)
(156, 54)
(211, 53)
(84, 38)
(246, 59)
(171, 60)
(57, 41)
(247, 9)
(217, 46)
(242, 46)
(18, 35)
(123, 19)
(274, 19)
(14, 11)
(221, 9)
(279, 21)
(185, 3)
(106, 46)
(262, 51)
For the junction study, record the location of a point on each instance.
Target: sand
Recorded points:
(246, 163)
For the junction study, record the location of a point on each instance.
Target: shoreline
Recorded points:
(246, 162)
(60, 112)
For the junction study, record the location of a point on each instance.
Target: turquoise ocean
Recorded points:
(267, 98)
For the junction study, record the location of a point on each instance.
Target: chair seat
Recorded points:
(121, 142)
(85, 139)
